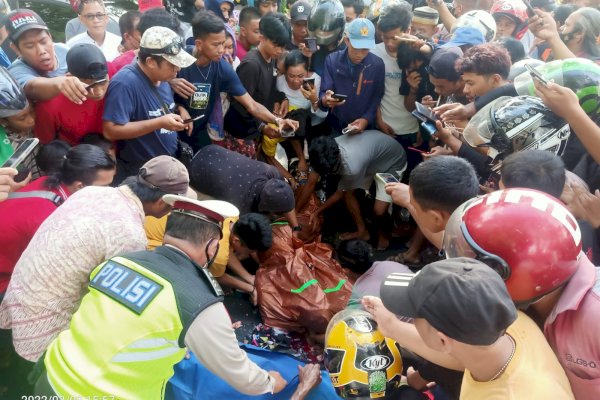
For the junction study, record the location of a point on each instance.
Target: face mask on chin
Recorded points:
(566, 37)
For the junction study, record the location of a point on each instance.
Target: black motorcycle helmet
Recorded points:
(326, 22)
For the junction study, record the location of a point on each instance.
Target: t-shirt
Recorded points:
(229, 176)
(21, 218)
(259, 78)
(23, 73)
(240, 50)
(118, 63)
(392, 107)
(210, 80)
(130, 98)
(155, 232)
(60, 118)
(110, 46)
(365, 154)
(75, 27)
(533, 372)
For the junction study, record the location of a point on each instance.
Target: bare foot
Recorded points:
(363, 235)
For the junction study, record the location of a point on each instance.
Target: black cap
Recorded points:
(442, 62)
(86, 61)
(21, 20)
(460, 297)
(300, 11)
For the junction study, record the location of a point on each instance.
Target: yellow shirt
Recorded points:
(155, 232)
(533, 373)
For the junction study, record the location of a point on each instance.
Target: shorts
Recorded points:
(380, 193)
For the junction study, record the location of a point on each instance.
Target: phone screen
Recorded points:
(426, 112)
(311, 43)
(21, 153)
(535, 74)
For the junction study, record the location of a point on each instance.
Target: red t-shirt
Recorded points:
(240, 50)
(60, 118)
(20, 220)
(124, 59)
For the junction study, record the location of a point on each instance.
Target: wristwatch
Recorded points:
(297, 228)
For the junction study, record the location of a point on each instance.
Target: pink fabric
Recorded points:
(240, 50)
(573, 330)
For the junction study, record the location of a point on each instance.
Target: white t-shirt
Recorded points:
(110, 47)
(296, 98)
(393, 111)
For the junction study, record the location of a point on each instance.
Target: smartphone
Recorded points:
(187, 121)
(349, 129)
(339, 97)
(417, 150)
(311, 43)
(386, 178)
(535, 74)
(287, 132)
(530, 10)
(426, 112)
(308, 83)
(22, 152)
(97, 83)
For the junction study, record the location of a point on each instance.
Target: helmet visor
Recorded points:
(455, 244)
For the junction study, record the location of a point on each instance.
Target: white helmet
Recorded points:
(477, 19)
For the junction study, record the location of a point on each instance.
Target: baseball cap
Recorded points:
(361, 33)
(465, 35)
(211, 211)
(300, 11)
(86, 61)
(167, 174)
(161, 41)
(460, 297)
(426, 15)
(21, 20)
(442, 62)
(276, 196)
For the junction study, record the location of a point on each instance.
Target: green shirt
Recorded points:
(6, 149)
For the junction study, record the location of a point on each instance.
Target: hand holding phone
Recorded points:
(287, 132)
(417, 150)
(386, 178)
(530, 10)
(308, 83)
(536, 75)
(349, 129)
(339, 97)
(311, 43)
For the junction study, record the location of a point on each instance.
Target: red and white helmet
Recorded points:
(515, 10)
(527, 236)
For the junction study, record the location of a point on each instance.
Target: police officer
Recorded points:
(143, 309)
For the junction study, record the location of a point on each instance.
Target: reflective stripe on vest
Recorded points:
(153, 350)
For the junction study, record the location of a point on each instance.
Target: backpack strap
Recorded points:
(42, 194)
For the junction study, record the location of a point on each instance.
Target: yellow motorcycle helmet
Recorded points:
(362, 363)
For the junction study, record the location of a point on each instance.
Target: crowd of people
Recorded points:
(431, 164)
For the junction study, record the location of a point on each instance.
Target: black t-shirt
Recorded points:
(259, 77)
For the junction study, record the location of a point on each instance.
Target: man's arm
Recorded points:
(445, 15)
(40, 88)
(257, 110)
(212, 339)
(406, 334)
(134, 129)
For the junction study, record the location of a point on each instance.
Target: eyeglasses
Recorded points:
(98, 16)
(172, 49)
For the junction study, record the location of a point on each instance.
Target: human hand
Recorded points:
(73, 89)
(585, 205)
(271, 131)
(281, 109)
(455, 111)
(289, 123)
(185, 115)
(428, 101)
(172, 122)
(280, 383)
(384, 317)
(543, 26)
(305, 50)
(442, 133)
(302, 166)
(436, 4)
(6, 182)
(559, 99)
(414, 80)
(309, 94)
(360, 124)
(228, 58)
(438, 151)
(182, 87)
(329, 101)
(309, 377)
(400, 193)
(414, 380)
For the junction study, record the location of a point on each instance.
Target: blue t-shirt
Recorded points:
(4, 61)
(130, 98)
(210, 80)
(23, 73)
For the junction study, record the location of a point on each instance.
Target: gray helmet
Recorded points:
(326, 22)
(12, 98)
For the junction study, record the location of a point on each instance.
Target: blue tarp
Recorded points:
(192, 381)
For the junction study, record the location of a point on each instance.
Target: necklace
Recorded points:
(512, 353)
(207, 74)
